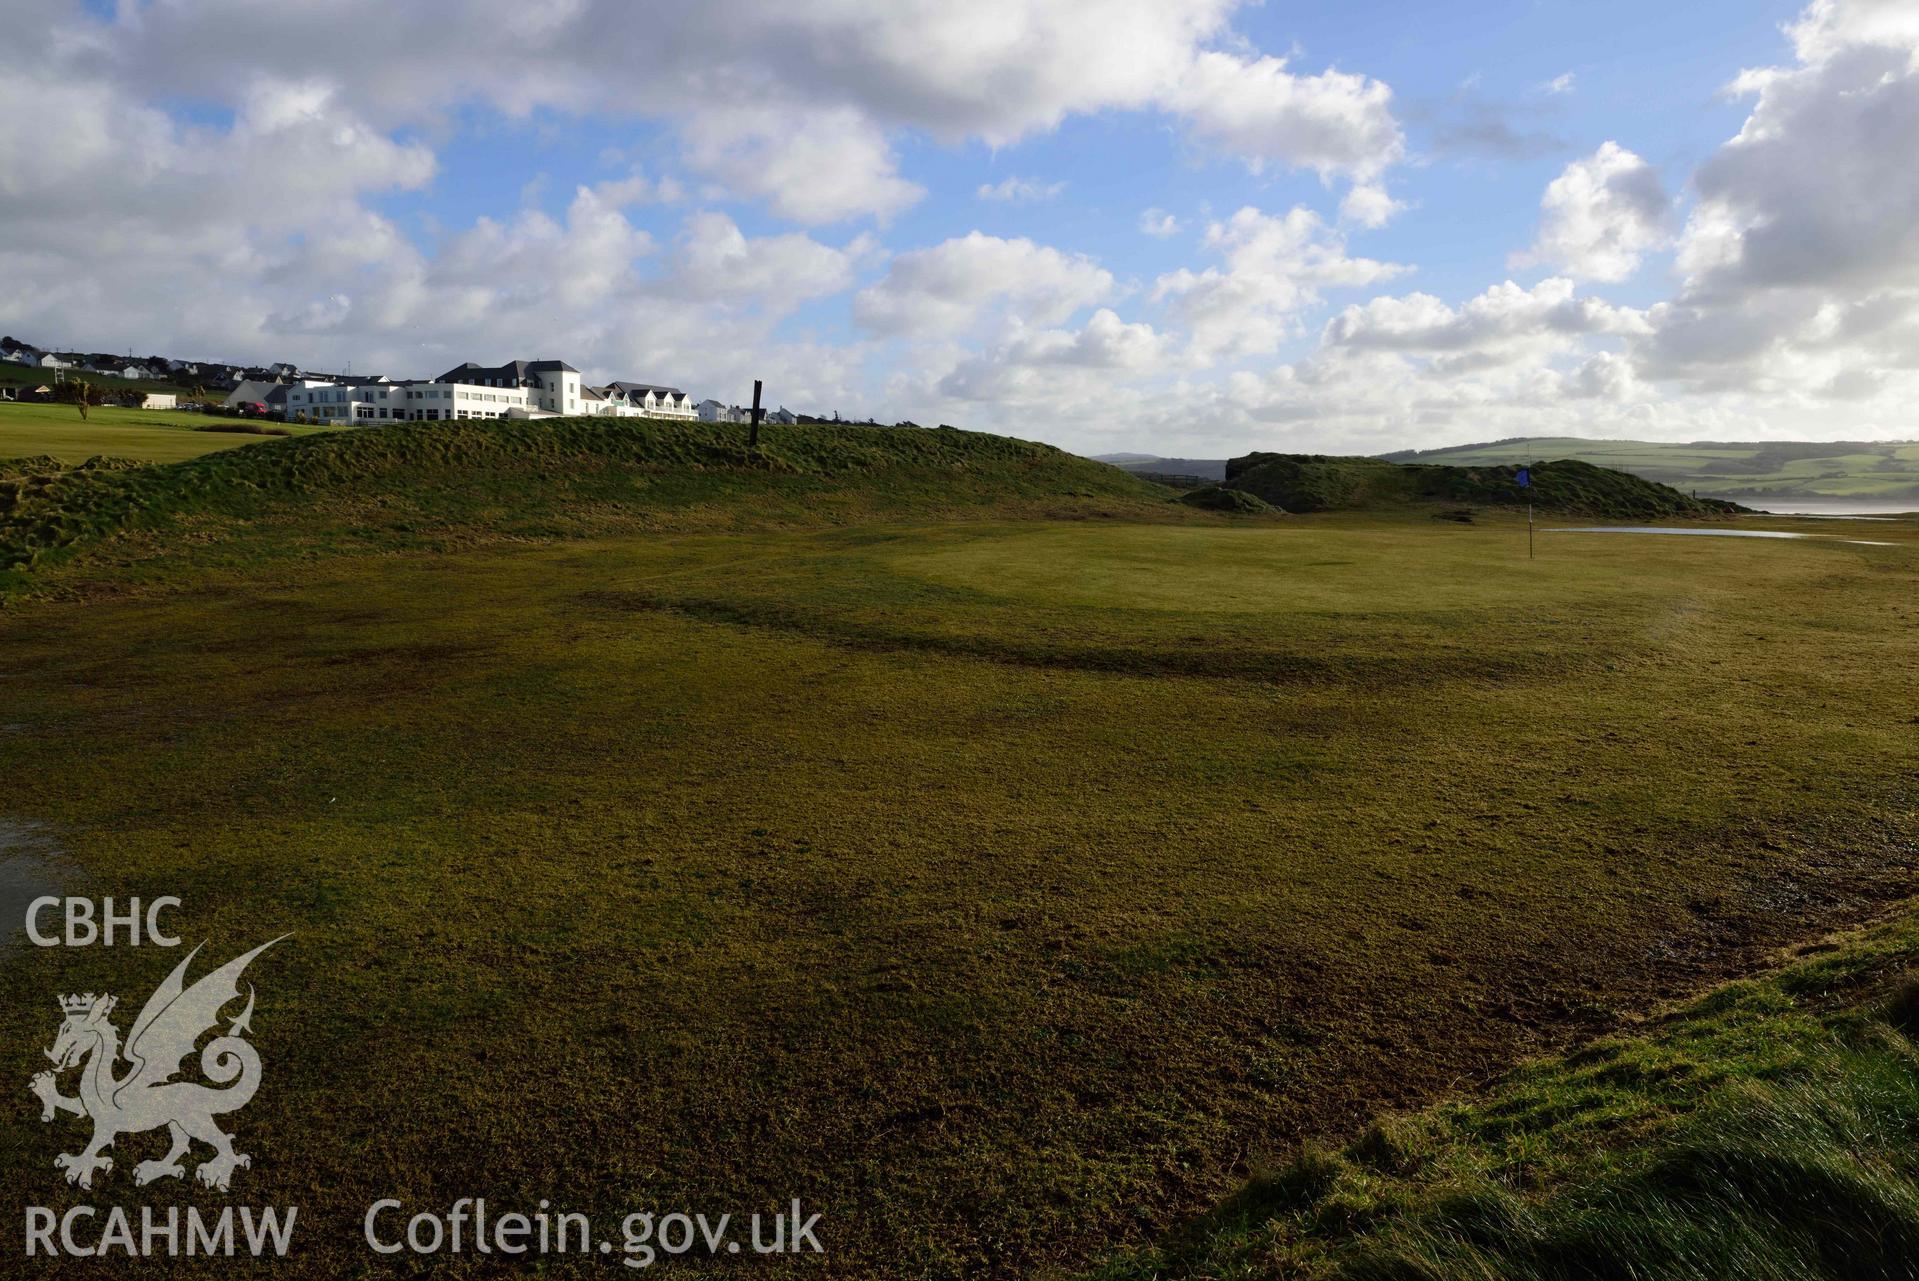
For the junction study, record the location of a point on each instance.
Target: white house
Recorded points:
(648, 400)
(154, 400)
(712, 411)
(51, 361)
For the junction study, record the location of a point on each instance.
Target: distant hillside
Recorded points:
(406, 481)
(1148, 464)
(1747, 472)
(1316, 482)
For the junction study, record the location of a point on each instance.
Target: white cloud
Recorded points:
(818, 166)
(1157, 222)
(1051, 367)
(1254, 108)
(1797, 310)
(1506, 323)
(794, 104)
(1368, 205)
(714, 259)
(1274, 266)
(1801, 255)
(1020, 191)
(1561, 83)
(946, 291)
(1601, 216)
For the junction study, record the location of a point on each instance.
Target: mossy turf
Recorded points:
(992, 853)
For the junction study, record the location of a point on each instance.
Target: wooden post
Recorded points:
(753, 438)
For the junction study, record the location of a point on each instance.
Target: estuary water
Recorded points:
(1704, 533)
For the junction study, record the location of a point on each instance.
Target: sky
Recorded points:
(1182, 227)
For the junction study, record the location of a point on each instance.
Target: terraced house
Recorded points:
(646, 400)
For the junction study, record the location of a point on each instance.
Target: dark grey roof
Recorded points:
(550, 366)
(630, 388)
(470, 372)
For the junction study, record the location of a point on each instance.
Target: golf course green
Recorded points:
(967, 840)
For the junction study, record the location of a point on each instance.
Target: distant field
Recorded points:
(147, 435)
(1744, 472)
(1000, 887)
(14, 374)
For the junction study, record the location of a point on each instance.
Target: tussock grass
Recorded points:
(1768, 1131)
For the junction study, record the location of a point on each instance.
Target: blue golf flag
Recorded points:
(1525, 478)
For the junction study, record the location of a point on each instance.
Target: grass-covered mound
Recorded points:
(1236, 502)
(1318, 482)
(1770, 1130)
(543, 477)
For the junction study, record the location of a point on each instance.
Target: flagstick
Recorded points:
(1529, 531)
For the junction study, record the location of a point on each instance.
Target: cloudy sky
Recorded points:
(1180, 226)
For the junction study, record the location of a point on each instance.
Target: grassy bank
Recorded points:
(386, 485)
(1316, 483)
(1766, 1131)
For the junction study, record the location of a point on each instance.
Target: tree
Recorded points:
(81, 393)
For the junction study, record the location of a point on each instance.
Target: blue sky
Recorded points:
(1574, 243)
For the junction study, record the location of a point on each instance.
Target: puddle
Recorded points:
(30, 865)
(1704, 533)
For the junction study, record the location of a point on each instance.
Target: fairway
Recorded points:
(146, 435)
(1001, 889)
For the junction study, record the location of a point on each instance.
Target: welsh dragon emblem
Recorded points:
(146, 1097)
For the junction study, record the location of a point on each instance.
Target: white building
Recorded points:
(550, 385)
(712, 411)
(358, 404)
(51, 361)
(154, 400)
(647, 400)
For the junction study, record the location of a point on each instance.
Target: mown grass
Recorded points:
(144, 435)
(1767, 1131)
(995, 859)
